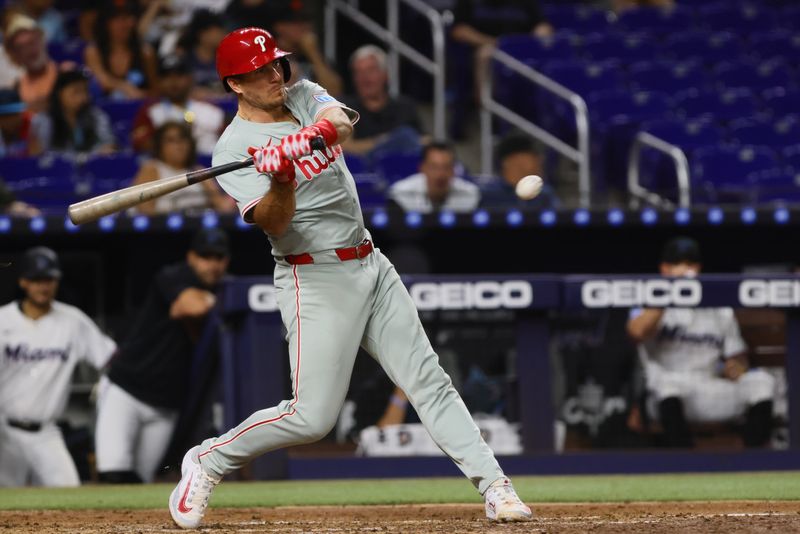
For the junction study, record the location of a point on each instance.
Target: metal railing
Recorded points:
(678, 156)
(489, 107)
(390, 35)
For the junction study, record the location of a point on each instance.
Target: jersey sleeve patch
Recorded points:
(323, 97)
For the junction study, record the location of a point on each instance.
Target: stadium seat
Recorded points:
(720, 173)
(777, 134)
(790, 17)
(581, 19)
(627, 47)
(638, 105)
(757, 76)
(356, 164)
(775, 43)
(69, 51)
(585, 77)
(708, 48)
(685, 134)
(51, 194)
(371, 189)
(776, 185)
(781, 101)
(734, 17)
(791, 157)
(655, 20)
(667, 76)
(121, 113)
(535, 50)
(396, 166)
(725, 105)
(50, 165)
(105, 173)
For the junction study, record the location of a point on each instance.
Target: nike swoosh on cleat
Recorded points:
(182, 508)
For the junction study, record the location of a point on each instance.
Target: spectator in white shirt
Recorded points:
(436, 187)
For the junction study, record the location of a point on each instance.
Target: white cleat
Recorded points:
(503, 504)
(189, 499)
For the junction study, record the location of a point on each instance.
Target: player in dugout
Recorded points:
(139, 401)
(335, 290)
(695, 362)
(41, 342)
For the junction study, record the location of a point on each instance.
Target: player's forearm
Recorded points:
(340, 121)
(275, 211)
(192, 303)
(644, 326)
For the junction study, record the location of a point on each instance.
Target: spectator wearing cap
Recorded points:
(72, 125)
(198, 45)
(42, 341)
(9, 71)
(294, 33)
(139, 402)
(125, 68)
(695, 362)
(15, 125)
(174, 103)
(173, 154)
(386, 123)
(25, 44)
(436, 187)
(49, 19)
(516, 156)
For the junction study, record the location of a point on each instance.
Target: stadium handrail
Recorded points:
(490, 106)
(678, 157)
(390, 35)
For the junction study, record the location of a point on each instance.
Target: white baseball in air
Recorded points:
(529, 186)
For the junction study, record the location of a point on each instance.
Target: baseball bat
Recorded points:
(93, 208)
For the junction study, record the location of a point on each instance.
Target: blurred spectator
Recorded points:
(173, 103)
(386, 123)
(622, 5)
(10, 206)
(478, 23)
(199, 46)
(436, 187)
(71, 124)
(15, 123)
(695, 362)
(259, 13)
(294, 33)
(49, 19)
(164, 21)
(25, 45)
(124, 67)
(174, 153)
(516, 156)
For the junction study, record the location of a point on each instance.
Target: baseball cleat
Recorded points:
(503, 504)
(189, 499)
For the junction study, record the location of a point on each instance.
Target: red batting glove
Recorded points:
(297, 145)
(270, 159)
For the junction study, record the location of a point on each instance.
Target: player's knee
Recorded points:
(758, 385)
(318, 426)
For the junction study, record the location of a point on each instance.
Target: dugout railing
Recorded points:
(254, 366)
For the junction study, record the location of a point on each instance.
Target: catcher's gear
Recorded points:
(246, 50)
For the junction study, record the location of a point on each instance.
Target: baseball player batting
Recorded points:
(335, 290)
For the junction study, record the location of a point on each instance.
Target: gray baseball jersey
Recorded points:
(328, 212)
(331, 307)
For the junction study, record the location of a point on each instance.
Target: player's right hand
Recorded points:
(270, 159)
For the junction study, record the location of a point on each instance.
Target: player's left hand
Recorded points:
(734, 368)
(271, 160)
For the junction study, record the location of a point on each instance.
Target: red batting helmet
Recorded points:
(248, 49)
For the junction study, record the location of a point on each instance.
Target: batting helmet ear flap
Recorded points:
(287, 69)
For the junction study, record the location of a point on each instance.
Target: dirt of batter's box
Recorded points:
(706, 517)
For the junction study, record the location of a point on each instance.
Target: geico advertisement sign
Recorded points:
(261, 298)
(485, 295)
(682, 292)
(766, 293)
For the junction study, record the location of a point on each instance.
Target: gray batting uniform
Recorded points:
(331, 307)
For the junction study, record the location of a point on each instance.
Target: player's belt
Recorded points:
(349, 253)
(28, 426)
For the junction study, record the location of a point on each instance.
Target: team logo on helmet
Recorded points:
(260, 40)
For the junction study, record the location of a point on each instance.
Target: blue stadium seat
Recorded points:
(371, 190)
(50, 165)
(780, 133)
(51, 194)
(121, 113)
(725, 105)
(734, 17)
(776, 185)
(535, 50)
(757, 76)
(639, 105)
(109, 172)
(775, 43)
(790, 17)
(667, 76)
(396, 166)
(781, 101)
(626, 47)
(721, 173)
(356, 164)
(655, 20)
(791, 156)
(583, 77)
(708, 48)
(688, 135)
(582, 19)
(71, 51)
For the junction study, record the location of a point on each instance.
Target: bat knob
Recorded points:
(318, 143)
